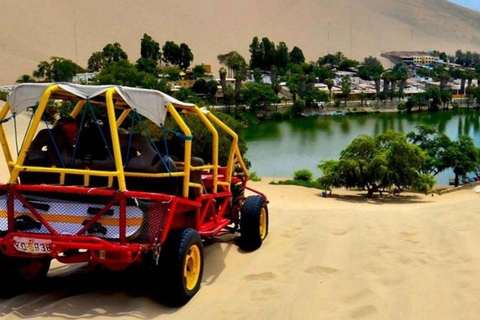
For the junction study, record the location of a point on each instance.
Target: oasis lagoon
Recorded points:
(277, 148)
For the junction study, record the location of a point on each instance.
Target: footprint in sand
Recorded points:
(357, 295)
(261, 276)
(320, 270)
(363, 312)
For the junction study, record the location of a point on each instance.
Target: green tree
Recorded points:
(228, 96)
(329, 83)
(314, 96)
(346, 88)
(199, 71)
(204, 87)
(463, 157)
(298, 107)
(434, 144)
(323, 74)
(269, 54)
(233, 60)
(223, 80)
(257, 75)
(187, 95)
(433, 95)
(296, 55)
(150, 55)
(377, 163)
(96, 62)
(282, 57)
(348, 64)
(258, 96)
(58, 70)
(443, 56)
(122, 73)
(446, 97)
(256, 54)
(114, 53)
(212, 88)
(42, 70)
(25, 78)
(328, 59)
(200, 86)
(149, 48)
(470, 91)
(171, 53)
(186, 56)
(173, 73)
(459, 74)
(147, 65)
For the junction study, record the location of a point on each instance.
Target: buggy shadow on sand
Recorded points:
(109, 196)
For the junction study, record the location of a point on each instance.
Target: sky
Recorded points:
(472, 4)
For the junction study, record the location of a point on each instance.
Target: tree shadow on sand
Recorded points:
(360, 196)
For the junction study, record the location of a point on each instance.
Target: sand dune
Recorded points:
(341, 257)
(35, 30)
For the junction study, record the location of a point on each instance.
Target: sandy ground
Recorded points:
(35, 30)
(340, 257)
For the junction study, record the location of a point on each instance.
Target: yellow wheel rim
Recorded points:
(263, 223)
(191, 269)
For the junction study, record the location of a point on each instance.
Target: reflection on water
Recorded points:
(278, 148)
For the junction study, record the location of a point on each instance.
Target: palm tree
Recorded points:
(25, 78)
(403, 80)
(329, 83)
(387, 77)
(346, 88)
(377, 78)
(42, 71)
(240, 76)
(393, 80)
(223, 82)
(362, 96)
(469, 75)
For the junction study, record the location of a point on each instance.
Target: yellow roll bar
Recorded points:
(208, 119)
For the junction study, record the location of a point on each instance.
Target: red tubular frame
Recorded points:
(212, 213)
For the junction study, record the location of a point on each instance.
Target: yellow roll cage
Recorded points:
(114, 101)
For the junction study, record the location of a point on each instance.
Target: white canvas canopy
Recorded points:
(149, 103)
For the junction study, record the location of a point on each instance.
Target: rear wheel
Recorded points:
(21, 272)
(181, 266)
(253, 223)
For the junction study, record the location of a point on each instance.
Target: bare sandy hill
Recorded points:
(34, 30)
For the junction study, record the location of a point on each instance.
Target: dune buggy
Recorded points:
(113, 196)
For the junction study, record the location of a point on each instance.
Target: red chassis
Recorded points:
(209, 214)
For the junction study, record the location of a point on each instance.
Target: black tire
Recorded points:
(21, 273)
(253, 223)
(181, 267)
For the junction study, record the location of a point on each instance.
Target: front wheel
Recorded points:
(181, 266)
(253, 223)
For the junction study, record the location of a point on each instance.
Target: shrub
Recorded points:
(303, 175)
(276, 115)
(253, 176)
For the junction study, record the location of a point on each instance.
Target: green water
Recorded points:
(278, 148)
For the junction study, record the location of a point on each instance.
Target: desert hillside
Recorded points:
(35, 30)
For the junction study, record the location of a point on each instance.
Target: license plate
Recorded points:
(32, 245)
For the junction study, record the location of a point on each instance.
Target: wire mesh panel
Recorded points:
(3, 212)
(72, 214)
(155, 217)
